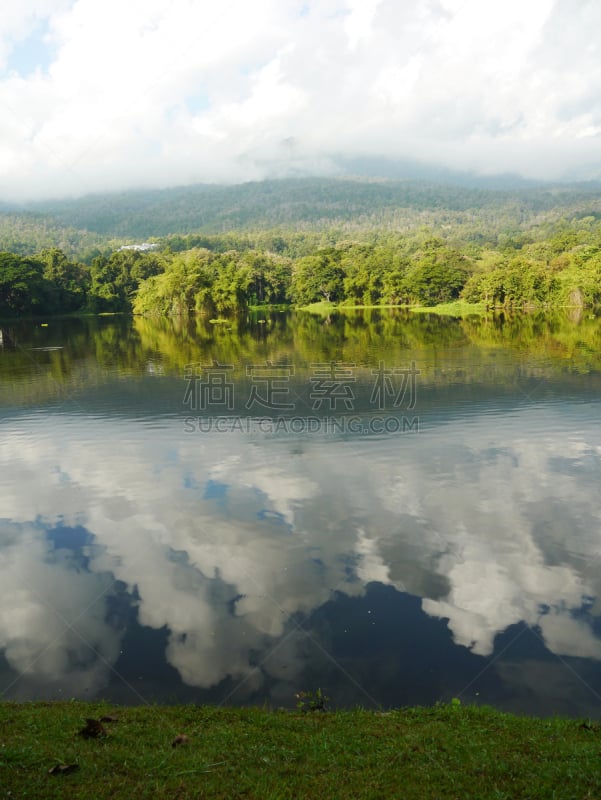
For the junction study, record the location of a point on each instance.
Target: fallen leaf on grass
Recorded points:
(63, 769)
(93, 729)
(180, 739)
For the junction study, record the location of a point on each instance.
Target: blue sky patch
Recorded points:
(67, 538)
(197, 102)
(215, 490)
(190, 481)
(32, 53)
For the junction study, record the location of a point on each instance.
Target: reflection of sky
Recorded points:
(221, 538)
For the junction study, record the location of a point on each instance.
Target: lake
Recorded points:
(393, 508)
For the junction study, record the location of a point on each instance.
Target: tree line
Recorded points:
(224, 274)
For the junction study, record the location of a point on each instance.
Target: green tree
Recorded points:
(116, 279)
(520, 282)
(23, 288)
(233, 279)
(318, 277)
(270, 277)
(70, 281)
(183, 287)
(437, 275)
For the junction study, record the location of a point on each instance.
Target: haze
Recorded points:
(109, 95)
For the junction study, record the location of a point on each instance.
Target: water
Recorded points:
(388, 547)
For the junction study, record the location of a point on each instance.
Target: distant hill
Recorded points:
(293, 204)
(310, 201)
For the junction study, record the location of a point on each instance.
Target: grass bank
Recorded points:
(199, 752)
(324, 307)
(458, 308)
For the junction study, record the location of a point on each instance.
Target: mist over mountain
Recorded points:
(292, 202)
(106, 97)
(410, 169)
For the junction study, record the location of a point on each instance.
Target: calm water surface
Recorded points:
(395, 509)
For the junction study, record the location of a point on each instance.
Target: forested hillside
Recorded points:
(303, 204)
(344, 241)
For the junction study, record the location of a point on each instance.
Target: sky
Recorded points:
(109, 95)
(475, 528)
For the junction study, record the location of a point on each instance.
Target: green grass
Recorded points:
(442, 752)
(458, 308)
(323, 307)
(270, 307)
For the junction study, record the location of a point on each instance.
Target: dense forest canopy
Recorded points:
(309, 204)
(219, 249)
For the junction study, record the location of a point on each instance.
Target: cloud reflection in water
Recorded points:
(222, 540)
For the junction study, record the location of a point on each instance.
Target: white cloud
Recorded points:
(509, 86)
(224, 569)
(53, 627)
(358, 25)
